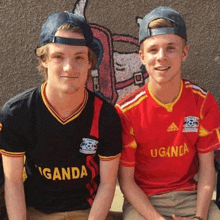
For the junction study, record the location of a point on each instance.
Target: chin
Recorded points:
(71, 90)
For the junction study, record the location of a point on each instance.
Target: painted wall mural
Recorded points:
(116, 73)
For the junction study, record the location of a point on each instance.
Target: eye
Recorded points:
(58, 56)
(170, 48)
(80, 58)
(152, 50)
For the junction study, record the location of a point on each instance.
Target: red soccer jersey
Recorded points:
(162, 140)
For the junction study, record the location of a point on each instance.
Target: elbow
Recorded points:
(125, 184)
(108, 185)
(13, 181)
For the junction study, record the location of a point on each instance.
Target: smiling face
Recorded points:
(162, 56)
(67, 65)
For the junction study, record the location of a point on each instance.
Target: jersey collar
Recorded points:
(52, 111)
(168, 106)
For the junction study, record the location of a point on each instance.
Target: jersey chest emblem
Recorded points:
(88, 146)
(191, 124)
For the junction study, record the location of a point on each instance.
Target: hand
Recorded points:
(178, 218)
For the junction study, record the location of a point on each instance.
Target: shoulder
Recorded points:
(198, 91)
(203, 98)
(133, 100)
(108, 112)
(19, 103)
(200, 94)
(102, 101)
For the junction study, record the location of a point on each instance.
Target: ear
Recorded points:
(44, 63)
(90, 65)
(185, 52)
(141, 56)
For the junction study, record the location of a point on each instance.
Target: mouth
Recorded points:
(162, 68)
(69, 77)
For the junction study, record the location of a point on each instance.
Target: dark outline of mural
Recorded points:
(104, 81)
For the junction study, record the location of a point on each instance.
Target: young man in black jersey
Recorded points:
(70, 137)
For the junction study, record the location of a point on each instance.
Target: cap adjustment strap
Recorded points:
(157, 31)
(69, 41)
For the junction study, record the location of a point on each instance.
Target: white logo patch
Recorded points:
(88, 146)
(191, 124)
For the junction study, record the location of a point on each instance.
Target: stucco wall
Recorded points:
(20, 23)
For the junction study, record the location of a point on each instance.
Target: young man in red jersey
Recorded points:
(70, 137)
(170, 130)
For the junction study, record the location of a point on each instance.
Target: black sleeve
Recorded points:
(110, 131)
(13, 133)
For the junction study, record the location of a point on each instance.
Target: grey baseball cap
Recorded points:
(167, 13)
(57, 19)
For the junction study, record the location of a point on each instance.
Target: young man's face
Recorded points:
(67, 65)
(162, 56)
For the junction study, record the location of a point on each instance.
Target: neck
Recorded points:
(165, 93)
(63, 103)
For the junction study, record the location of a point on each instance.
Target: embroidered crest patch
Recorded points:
(191, 124)
(88, 146)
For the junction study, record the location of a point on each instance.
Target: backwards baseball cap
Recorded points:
(167, 13)
(57, 19)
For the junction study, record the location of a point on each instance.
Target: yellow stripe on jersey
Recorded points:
(199, 93)
(24, 175)
(107, 158)
(208, 148)
(12, 154)
(134, 99)
(218, 134)
(130, 164)
(133, 145)
(196, 89)
(135, 103)
(203, 132)
(132, 131)
(201, 110)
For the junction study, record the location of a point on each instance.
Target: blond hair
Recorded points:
(42, 52)
(160, 23)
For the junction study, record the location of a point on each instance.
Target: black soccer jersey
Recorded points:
(62, 155)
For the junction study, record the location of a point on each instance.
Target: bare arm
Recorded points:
(14, 191)
(105, 194)
(205, 183)
(135, 195)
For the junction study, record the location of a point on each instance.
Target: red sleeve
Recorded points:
(128, 141)
(209, 133)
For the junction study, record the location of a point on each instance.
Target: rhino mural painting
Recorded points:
(116, 73)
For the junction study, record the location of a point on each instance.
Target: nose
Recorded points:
(69, 65)
(161, 55)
